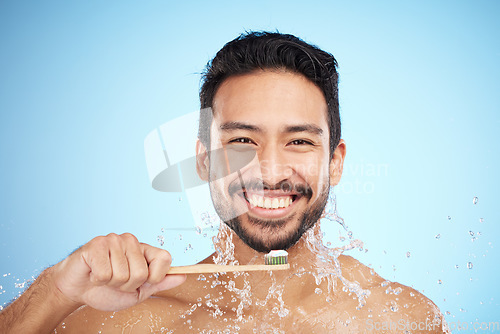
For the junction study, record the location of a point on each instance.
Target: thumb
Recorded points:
(169, 282)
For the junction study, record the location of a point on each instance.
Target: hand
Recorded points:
(114, 272)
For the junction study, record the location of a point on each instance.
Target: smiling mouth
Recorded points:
(273, 202)
(270, 202)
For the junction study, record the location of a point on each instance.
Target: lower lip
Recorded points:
(269, 213)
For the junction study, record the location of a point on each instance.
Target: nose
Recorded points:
(274, 165)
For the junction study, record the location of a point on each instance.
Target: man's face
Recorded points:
(282, 117)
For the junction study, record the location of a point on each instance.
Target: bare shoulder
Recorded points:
(393, 304)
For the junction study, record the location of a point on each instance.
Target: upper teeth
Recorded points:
(270, 203)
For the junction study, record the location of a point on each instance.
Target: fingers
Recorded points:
(120, 261)
(159, 261)
(137, 265)
(96, 255)
(168, 282)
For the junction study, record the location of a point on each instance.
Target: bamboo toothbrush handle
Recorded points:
(217, 268)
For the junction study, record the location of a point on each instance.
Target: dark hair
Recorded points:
(268, 50)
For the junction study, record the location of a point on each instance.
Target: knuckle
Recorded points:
(96, 245)
(129, 237)
(112, 236)
(165, 256)
(100, 240)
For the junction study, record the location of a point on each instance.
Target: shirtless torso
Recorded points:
(308, 298)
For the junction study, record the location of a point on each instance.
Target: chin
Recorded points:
(264, 236)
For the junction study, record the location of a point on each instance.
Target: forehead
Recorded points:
(270, 99)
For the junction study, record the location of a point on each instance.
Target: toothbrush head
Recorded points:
(276, 257)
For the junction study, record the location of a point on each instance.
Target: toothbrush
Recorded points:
(274, 260)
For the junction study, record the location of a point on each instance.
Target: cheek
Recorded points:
(314, 170)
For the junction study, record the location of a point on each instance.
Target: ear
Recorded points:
(202, 161)
(337, 163)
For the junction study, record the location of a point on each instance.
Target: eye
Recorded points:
(242, 140)
(300, 142)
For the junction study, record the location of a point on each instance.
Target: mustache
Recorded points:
(302, 189)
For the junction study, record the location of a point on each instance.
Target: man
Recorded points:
(276, 96)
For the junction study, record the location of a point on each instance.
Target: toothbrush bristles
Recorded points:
(276, 257)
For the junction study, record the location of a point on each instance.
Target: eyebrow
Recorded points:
(311, 128)
(229, 126)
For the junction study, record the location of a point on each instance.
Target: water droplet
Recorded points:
(481, 220)
(408, 254)
(456, 266)
(449, 217)
(328, 244)
(438, 236)
(474, 200)
(440, 282)
(469, 265)
(318, 291)
(471, 233)
(463, 310)
(180, 236)
(161, 240)
(180, 198)
(198, 230)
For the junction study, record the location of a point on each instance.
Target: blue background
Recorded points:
(83, 82)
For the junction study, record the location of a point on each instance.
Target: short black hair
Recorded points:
(263, 50)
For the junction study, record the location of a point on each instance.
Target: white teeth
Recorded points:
(276, 203)
(270, 203)
(267, 203)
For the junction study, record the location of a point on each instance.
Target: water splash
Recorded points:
(237, 289)
(327, 263)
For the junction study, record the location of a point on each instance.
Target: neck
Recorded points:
(230, 249)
